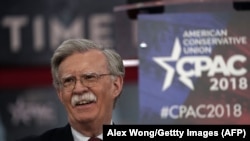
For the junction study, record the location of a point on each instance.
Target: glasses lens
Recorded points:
(88, 80)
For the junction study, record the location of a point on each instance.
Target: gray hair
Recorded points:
(70, 46)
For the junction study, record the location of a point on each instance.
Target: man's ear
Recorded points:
(118, 84)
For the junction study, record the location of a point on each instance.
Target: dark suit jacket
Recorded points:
(57, 134)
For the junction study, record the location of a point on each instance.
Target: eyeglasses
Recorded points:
(88, 80)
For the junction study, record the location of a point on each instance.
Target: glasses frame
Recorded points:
(87, 79)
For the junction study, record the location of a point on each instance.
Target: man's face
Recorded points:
(84, 103)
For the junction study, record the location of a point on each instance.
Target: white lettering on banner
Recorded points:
(197, 50)
(205, 33)
(215, 41)
(38, 33)
(15, 23)
(59, 32)
(215, 66)
(202, 111)
(198, 65)
(100, 30)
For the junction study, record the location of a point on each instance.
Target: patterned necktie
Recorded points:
(94, 139)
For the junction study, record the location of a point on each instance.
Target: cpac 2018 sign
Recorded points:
(202, 64)
(192, 71)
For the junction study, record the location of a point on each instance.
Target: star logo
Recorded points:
(170, 71)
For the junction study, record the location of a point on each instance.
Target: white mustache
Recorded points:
(83, 99)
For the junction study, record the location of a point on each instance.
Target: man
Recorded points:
(88, 79)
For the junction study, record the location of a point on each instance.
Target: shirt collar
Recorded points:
(80, 137)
